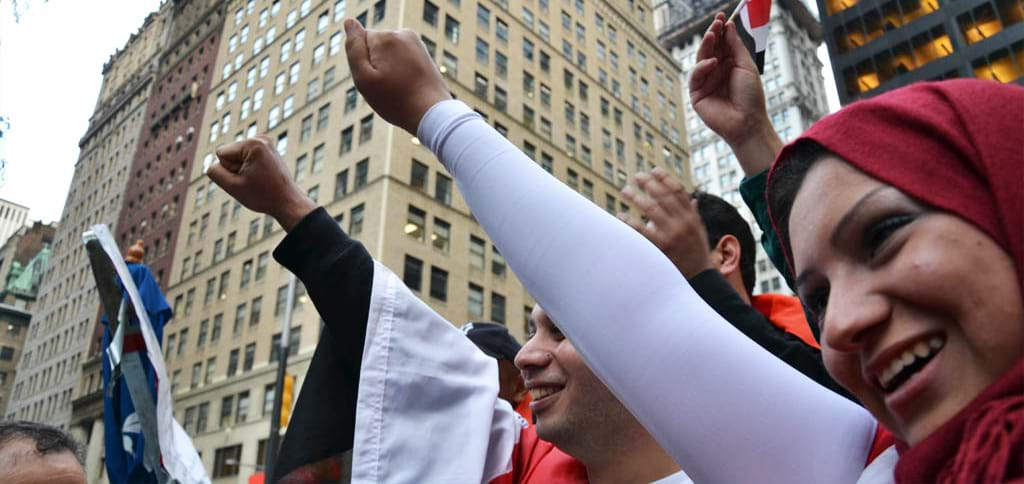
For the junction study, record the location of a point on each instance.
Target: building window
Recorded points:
(480, 85)
(430, 13)
(441, 236)
(268, 397)
(451, 29)
(341, 184)
(415, 223)
(438, 283)
(211, 367)
(233, 362)
(418, 175)
(500, 99)
(497, 263)
(443, 189)
(362, 173)
(250, 357)
(242, 407)
(412, 275)
(497, 308)
(476, 252)
(355, 220)
(475, 302)
(351, 99)
(449, 64)
(346, 140)
(365, 129)
(226, 460)
(483, 52)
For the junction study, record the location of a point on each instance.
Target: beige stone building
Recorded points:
(580, 85)
(62, 326)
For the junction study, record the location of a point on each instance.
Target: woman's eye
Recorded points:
(877, 234)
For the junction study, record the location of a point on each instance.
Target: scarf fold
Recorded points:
(956, 146)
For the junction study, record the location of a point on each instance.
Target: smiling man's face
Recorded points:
(569, 402)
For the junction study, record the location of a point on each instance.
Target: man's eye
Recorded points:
(877, 234)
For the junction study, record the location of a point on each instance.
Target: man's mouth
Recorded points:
(907, 363)
(540, 393)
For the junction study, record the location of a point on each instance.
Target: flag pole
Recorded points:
(282, 366)
(737, 10)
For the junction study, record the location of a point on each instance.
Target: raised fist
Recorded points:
(394, 73)
(252, 172)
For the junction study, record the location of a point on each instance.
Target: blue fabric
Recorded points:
(124, 466)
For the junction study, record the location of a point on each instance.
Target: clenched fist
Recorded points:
(252, 172)
(394, 73)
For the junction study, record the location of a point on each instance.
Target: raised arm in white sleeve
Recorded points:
(725, 409)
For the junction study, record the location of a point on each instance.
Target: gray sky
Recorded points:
(50, 76)
(50, 65)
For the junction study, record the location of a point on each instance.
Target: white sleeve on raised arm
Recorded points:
(724, 408)
(428, 408)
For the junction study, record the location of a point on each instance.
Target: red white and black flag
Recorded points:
(753, 27)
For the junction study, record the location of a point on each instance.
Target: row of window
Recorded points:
(235, 356)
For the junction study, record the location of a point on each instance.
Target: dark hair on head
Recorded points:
(720, 219)
(47, 439)
(786, 181)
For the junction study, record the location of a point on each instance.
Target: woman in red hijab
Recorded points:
(902, 220)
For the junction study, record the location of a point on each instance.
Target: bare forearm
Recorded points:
(757, 151)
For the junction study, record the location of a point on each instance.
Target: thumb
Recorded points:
(737, 50)
(356, 49)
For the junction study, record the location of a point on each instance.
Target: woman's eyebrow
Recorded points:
(843, 225)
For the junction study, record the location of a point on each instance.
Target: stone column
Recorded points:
(94, 453)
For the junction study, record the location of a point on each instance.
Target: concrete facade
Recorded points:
(582, 87)
(794, 91)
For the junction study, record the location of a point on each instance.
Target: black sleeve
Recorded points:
(720, 295)
(338, 274)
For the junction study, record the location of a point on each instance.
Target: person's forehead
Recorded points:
(21, 463)
(829, 190)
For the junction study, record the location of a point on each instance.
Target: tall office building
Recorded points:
(879, 45)
(60, 330)
(23, 260)
(12, 218)
(581, 86)
(793, 85)
(182, 70)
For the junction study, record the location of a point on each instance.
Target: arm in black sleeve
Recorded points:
(720, 295)
(338, 274)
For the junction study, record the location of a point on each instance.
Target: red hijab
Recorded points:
(957, 146)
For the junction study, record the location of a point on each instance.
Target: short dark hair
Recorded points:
(785, 184)
(47, 439)
(720, 219)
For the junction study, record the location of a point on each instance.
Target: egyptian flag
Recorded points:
(753, 28)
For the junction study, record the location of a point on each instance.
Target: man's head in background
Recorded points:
(495, 341)
(733, 250)
(32, 453)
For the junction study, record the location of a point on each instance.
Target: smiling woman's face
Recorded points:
(919, 310)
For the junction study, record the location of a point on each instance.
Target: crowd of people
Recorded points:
(897, 221)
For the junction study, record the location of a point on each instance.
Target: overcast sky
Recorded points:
(50, 63)
(50, 75)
